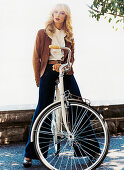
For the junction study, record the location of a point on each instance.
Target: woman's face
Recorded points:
(59, 15)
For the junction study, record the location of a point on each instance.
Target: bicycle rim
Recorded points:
(87, 146)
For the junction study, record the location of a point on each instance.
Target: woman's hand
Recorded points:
(56, 67)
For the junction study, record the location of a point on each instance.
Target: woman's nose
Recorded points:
(58, 14)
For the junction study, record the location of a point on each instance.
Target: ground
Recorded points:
(11, 156)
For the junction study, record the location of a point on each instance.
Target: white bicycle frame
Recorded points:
(60, 95)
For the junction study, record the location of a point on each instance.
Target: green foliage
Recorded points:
(113, 8)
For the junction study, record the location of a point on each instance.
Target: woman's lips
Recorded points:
(57, 19)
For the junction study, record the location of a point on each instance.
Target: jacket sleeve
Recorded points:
(72, 52)
(37, 56)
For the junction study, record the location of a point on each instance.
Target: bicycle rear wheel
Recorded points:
(85, 148)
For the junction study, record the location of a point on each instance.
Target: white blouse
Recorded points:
(57, 39)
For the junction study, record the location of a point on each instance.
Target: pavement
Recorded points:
(11, 156)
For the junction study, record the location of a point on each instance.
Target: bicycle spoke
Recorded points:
(62, 156)
(45, 132)
(56, 155)
(83, 139)
(67, 163)
(79, 122)
(89, 143)
(89, 125)
(81, 153)
(58, 143)
(91, 130)
(76, 120)
(93, 134)
(88, 149)
(81, 128)
(72, 116)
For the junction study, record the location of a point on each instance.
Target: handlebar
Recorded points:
(54, 47)
(69, 54)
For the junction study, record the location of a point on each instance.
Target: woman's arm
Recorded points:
(72, 51)
(38, 48)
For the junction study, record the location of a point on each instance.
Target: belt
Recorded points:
(54, 62)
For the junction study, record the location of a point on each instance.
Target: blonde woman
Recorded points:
(46, 63)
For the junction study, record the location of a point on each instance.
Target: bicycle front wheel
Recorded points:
(85, 148)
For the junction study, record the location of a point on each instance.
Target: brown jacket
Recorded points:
(42, 52)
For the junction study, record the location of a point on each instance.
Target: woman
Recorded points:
(58, 31)
(46, 63)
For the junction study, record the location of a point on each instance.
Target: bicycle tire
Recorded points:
(77, 154)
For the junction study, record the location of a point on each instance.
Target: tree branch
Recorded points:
(105, 12)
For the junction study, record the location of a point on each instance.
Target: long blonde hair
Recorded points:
(67, 25)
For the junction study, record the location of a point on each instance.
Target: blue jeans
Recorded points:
(46, 97)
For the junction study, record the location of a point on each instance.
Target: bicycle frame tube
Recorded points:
(61, 89)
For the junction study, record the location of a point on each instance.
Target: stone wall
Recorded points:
(114, 115)
(15, 125)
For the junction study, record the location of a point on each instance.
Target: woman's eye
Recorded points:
(62, 13)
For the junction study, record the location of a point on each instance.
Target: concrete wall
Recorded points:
(15, 125)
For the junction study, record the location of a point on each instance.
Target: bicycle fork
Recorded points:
(61, 90)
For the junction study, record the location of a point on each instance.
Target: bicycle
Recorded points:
(76, 135)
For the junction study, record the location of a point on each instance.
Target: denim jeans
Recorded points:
(46, 97)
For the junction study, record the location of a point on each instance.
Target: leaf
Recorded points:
(117, 21)
(91, 11)
(98, 17)
(109, 20)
